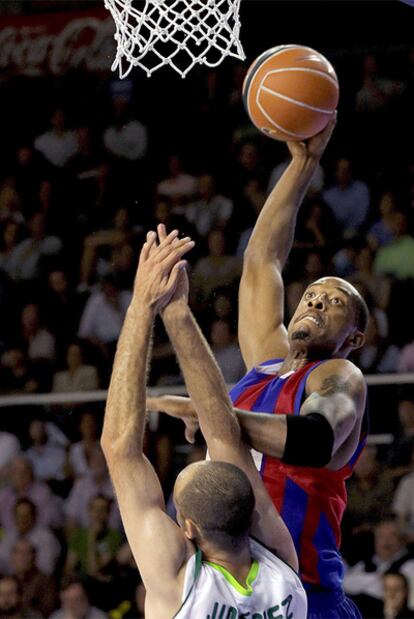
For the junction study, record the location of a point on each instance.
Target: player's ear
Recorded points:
(356, 340)
(191, 530)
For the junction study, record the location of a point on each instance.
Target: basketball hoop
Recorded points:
(174, 33)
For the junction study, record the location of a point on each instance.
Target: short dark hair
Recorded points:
(220, 500)
(361, 313)
(68, 581)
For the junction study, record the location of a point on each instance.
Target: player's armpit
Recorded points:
(336, 390)
(262, 334)
(158, 545)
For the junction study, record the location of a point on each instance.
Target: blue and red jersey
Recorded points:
(311, 501)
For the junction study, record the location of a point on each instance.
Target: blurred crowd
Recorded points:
(77, 195)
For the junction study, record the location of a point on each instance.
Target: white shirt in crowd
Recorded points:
(358, 581)
(181, 185)
(101, 319)
(349, 206)
(129, 141)
(57, 148)
(77, 459)
(9, 448)
(23, 262)
(48, 461)
(84, 378)
(205, 215)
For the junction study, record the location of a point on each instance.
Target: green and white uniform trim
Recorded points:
(272, 590)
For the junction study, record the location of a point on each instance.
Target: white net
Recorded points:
(175, 33)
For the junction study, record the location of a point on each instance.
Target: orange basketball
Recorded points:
(290, 92)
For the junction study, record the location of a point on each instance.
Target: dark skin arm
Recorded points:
(335, 389)
(261, 290)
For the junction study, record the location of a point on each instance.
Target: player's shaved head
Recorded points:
(217, 497)
(360, 307)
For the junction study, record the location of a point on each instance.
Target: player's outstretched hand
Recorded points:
(158, 269)
(178, 407)
(315, 147)
(180, 295)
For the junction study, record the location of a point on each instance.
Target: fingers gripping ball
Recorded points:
(290, 92)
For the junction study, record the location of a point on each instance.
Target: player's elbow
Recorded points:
(309, 441)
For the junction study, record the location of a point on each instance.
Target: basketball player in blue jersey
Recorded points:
(211, 567)
(306, 401)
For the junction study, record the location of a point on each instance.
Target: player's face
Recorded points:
(324, 318)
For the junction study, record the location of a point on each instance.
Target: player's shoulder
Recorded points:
(336, 372)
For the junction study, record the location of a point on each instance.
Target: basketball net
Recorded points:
(175, 33)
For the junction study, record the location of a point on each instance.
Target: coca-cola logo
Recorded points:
(84, 42)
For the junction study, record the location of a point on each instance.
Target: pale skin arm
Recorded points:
(219, 425)
(261, 290)
(336, 390)
(157, 543)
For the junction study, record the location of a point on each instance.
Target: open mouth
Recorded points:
(311, 318)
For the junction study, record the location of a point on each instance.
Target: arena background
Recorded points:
(72, 220)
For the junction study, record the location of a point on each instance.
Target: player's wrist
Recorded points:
(175, 310)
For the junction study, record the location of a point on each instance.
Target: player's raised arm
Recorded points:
(158, 544)
(262, 335)
(219, 425)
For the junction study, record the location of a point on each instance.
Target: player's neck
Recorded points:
(237, 562)
(299, 356)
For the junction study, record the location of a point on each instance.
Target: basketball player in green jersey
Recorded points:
(210, 567)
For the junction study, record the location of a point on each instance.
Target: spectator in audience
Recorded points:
(92, 550)
(26, 528)
(10, 203)
(211, 210)
(400, 455)
(39, 341)
(95, 482)
(396, 594)
(369, 491)
(17, 374)
(316, 227)
(85, 168)
(30, 256)
(48, 459)
(226, 351)
(380, 233)
(396, 258)
(217, 269)
(378, 286)
(315, 187)
(61, 307)
(9, 236)
(126, 138)
(78, 376)
(376, 91)
(103, 315)
(59, 144)
(178, 186)
(23, 485)
(92, 260)
(348, 198)
(378, 355)
(75, 602)
(11, 603)
(403, 503)
(80, 452)
(406, 358)
(38, 589)
(9, 449)
(364, 581)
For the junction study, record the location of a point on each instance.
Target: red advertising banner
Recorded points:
(55, 43)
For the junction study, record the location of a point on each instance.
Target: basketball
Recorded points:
(290, 92)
